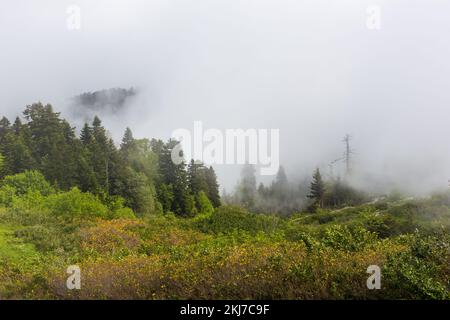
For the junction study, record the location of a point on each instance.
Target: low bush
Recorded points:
(422, 271)
(228, 218)
(76, 204)
(346, 238)
(28, 181)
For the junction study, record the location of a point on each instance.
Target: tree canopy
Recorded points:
(140, 171)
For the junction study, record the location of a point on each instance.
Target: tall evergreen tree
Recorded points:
(197, 177)
(52, 144)
(87, 178)
(247, 187)
(174, 176)
(99, 152)
(280, 187)
(5, 124)
(86, 135)
(128, 143)
(317, 191)
(213, 187)
(204, 179)
(5, 127)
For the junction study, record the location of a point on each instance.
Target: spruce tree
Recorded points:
(128, 143)
(203, 179)
(5, 127)
(174, 176)
(280, 187)
(317, 191)
(213, 187)
(52, 142)
(247, 186)
(86, 135)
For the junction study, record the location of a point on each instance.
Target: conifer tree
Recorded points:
(280, 187)
(52, 142)
(213, 187)
(247, 187)
(317, 191)
(86, 135)
(174, 176)
(5, 127)
(128, 143)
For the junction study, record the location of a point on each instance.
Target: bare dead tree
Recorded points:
(347, 154)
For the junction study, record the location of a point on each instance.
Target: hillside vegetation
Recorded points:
(141, 227)
(226, 254)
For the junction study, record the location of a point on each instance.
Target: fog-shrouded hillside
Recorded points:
(313, 69)
(102, 102)
(231, 150)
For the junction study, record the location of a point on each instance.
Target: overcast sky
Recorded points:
(312, 68)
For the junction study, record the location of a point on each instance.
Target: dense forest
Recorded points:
(140, 173)
(139, 226)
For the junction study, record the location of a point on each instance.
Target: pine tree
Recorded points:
(52, 142)
(174, 176)
(197, 177)
(317, 191)
(280, 187)
(14, 146)
(99, 153)
(128, 143)
(17, 126)
(203, 179)
(196, 180)
(87, 178)
(213, 187)
(86, 135)
(247, 187)
(5, 127)
(18, 155)
(263, 191)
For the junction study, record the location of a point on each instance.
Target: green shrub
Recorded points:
(28, 181)
(422, 272)
(123, 213)
(7, 195)
(204, 205)
(117, 209)
(40, 236)
(228, 218)
(32, 200)
(76, 204)
(346, 238)
(383, 225)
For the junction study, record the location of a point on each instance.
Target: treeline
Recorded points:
(280, 197)
(140, 171)
(285, 197)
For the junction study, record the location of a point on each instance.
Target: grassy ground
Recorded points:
(13, 249)
(231, 254)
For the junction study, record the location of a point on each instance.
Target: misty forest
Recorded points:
(205, 150)
(140, 226)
